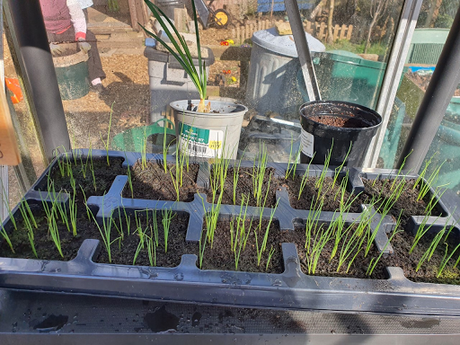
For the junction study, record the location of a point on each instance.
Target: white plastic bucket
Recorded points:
(209, 135)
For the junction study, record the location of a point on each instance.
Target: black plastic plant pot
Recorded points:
(115, 187)
(347, 128)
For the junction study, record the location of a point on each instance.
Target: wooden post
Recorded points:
(322, 31)
(350, 30)
(342, 32)
(336, 32)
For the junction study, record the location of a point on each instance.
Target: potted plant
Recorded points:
(204, 128)
(242, 233)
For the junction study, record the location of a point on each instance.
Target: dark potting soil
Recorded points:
(44, 245)
(407, 202)
(402, 242)
(327, 266)
(330, 194)
(245, 187)
(339, 121)
(104, 174)
(151, 182)
(221, 256)
(124, 251)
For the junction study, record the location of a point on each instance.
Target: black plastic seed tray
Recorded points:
(187, 283)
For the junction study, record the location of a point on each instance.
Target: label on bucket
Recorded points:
(307, 141)
(200, 142)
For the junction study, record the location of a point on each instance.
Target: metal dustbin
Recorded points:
(168, 80)
(274, 64)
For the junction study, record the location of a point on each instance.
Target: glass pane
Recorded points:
(427, 43)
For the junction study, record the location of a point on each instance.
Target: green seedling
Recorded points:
(374, 261)
(432, 247)
(106, 143)
(425, 187)
(130, 182)
(5, 236)
(144, 150)
(239, 234)
(292, 161)
(305, 177)
(258, 173)
(261, 249)
(236, 175)
(340, 167)
(166, 221)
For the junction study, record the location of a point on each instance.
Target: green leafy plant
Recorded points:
(181, 51)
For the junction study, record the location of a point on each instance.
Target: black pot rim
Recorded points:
(322, 126)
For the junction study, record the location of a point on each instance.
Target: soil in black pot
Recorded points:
(221, 257)
(330, 193)
(131, 251)
(151, 182)
(245, 187)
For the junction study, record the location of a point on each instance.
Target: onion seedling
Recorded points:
(105, 230)
(238, 234)
(305, 177)
(180, 50)
(374, 261)
(432, 247)
(258, 174)
(263, 246)
(5, 236)
(107, 142)
(166, 221)
(292, 161)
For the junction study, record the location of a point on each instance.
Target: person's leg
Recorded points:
(95, 71)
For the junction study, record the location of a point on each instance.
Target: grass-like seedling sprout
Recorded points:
(106, 143)
(144, 150)
(422, 174)
(166, 221)
(421, 231)
(432, 247)
(165, 151)
(27, 223)
(317, 238)
(374, 261)
(151, 249)
(5, 236)
(236, 175)
(130, 181)
(105, 230)
(258, 174)
(320, 181)
(7, 203)
(340, 167)
(305, 177)
(211, 217)
(180, 50)
(261, 249)
(425, 187)
(292, 161)
(91, 166)
(239, 233)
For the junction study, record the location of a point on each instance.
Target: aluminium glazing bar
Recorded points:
(393, 72)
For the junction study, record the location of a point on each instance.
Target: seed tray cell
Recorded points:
(291, 289)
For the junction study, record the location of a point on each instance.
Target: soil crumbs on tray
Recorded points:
(151, 182)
